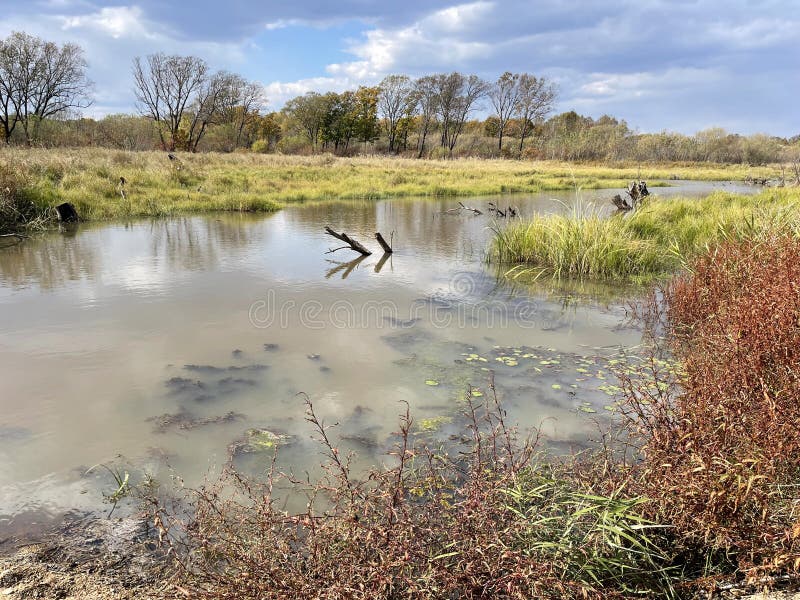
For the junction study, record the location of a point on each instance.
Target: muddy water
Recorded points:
(165, 341)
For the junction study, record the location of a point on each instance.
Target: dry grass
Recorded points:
(156, 186)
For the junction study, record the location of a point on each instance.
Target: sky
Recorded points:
(677, 65)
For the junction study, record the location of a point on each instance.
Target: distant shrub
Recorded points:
(260, 146)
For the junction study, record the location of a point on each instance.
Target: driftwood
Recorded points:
(351, 243)
(460, 207)
(474, 210)
(637, 190)
(387, 248)
(15, 238)
(67, 213)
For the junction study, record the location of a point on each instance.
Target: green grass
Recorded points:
(656, 240)
(88, 178)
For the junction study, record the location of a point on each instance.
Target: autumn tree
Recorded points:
(309, 112)
(339, 120)
(366, 114)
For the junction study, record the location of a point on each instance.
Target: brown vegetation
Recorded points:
(720, 441)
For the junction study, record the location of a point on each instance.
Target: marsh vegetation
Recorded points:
(35, 180)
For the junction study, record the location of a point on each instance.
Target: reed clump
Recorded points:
(655, 240)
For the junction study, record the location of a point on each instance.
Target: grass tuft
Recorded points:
(653, 241)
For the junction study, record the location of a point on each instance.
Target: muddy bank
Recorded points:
(87, 558)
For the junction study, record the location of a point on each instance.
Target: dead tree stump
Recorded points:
(67, 213)
(387, 249)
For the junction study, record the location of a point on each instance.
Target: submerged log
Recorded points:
(351, 243)
(67, 213)
(387, 248)
(469, 208)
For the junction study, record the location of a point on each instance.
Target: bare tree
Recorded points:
(536, 98)
(166, 86)
(396, 101)
(8, 114)
(458, 95)
(427, 99)
(214, 102)
(40, 80)
(505, 96)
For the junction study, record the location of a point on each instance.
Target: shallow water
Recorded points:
(105, 327)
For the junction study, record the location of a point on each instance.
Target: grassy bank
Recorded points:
(653, 241)
(156, 186)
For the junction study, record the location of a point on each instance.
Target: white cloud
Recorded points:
(693, 60)
(116, 21)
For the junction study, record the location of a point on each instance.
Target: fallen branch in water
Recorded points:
(351, 243)
(387, 248)
(510, 211)
(16, 238)
(474, 210)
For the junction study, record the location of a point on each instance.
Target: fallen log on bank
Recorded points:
(351, 243)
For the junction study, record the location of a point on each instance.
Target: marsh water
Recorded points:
(158, 344)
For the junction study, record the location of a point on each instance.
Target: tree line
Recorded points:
(183, 105)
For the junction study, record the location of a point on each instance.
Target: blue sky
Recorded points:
(679, 65)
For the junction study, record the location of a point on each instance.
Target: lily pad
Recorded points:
(434, 423)
(431, 382)
(257, 440)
